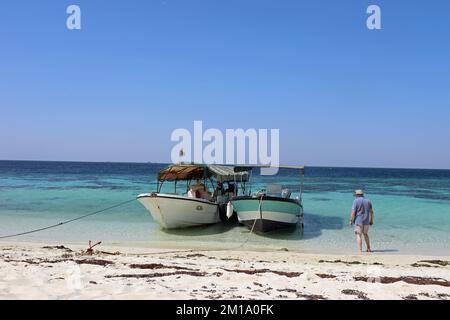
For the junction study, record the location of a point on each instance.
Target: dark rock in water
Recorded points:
(410, 297)
(320, 199)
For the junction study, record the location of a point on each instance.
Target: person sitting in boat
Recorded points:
(206, 195)
(218, 191)
(230, 190)
(196, 189)
(200, 191)
(286, 193)
(191, 193)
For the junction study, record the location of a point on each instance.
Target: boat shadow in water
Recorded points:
(206, 230)
(313, 226)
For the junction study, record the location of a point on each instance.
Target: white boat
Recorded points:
(270, 209)
(194, 206)
(175, 211)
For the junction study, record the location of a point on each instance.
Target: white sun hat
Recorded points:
(359, 192)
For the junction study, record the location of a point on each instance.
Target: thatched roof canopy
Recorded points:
(199, 171)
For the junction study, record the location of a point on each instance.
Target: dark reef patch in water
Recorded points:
(89, 188)
(433, 197)
(320, 199)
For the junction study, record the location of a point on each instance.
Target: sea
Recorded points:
(412, 208)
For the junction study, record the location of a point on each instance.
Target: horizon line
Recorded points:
(168, 163)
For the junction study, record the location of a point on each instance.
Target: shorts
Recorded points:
(361, 229)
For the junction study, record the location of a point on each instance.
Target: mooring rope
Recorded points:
(68, 221)
(124, 203)
(253, 226)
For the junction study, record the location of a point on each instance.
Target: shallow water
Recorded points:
(412, 208)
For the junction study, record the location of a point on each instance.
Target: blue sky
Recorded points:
(340, 94)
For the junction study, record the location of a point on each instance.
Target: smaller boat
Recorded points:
(272, 208)
(191, 204)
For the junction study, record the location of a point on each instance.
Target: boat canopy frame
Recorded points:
(301, 168)
(188, 172)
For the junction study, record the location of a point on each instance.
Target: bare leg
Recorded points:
(366, 238)
(359, 242)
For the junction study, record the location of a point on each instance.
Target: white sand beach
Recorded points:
(66, 271)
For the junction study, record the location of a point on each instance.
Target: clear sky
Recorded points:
(341, 95)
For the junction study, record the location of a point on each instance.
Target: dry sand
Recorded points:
(37, 271)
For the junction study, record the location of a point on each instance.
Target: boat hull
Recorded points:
(272, 213)
(173, 211)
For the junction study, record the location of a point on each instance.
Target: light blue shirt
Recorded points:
(362, 207)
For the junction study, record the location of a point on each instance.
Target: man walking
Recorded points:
(362, 217)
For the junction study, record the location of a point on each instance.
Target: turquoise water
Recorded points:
(412, 208)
